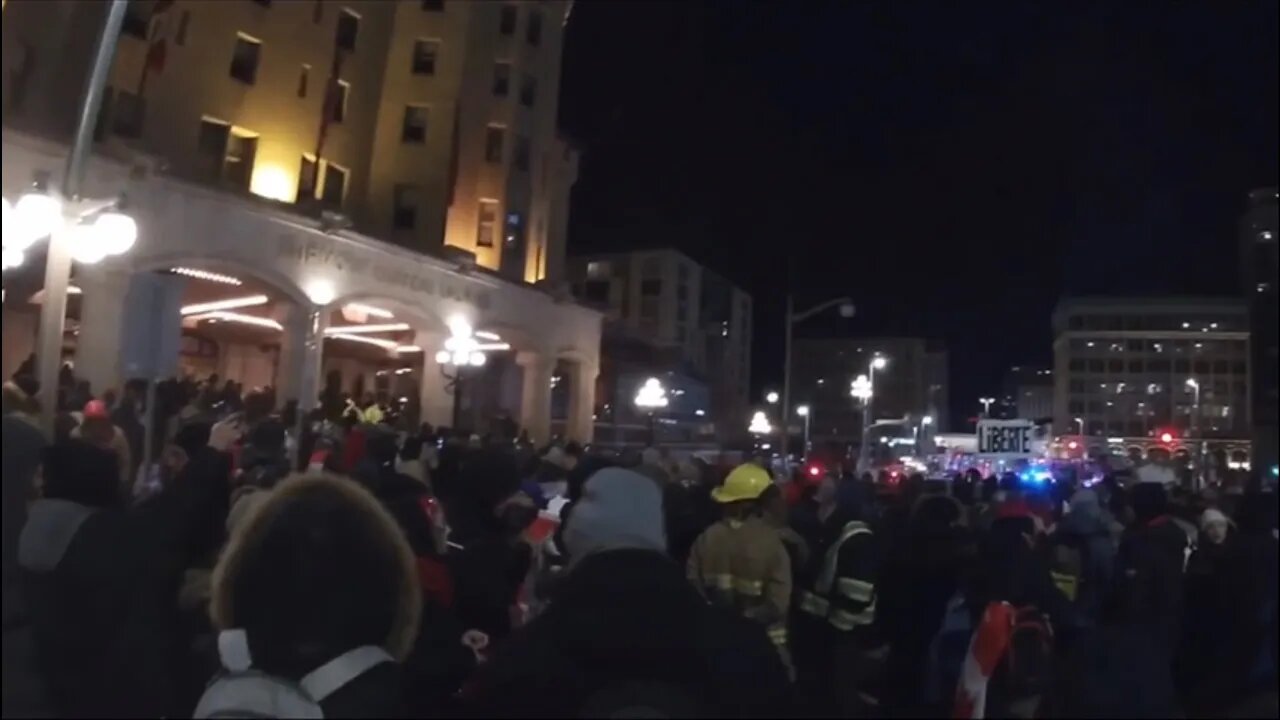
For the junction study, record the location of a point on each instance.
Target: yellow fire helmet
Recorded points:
(746, 482)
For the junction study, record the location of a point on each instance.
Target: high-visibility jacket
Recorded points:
(844, 592)
(742, 565)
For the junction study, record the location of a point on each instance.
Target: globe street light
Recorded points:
(461, 350)
(803, 411)
(986, 405)
(771, 397)
(79, 229)
(760, 424)
(864, 389)
(651, 397)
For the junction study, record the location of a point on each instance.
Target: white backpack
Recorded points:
(242, 692)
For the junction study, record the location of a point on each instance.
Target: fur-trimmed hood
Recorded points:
(317, 536)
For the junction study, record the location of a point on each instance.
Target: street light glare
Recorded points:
(803, 411)
(759, 424)
(651, 395)
(1193, 383)
(116, 231)
(879, 362)
(771, 398)
(36, 215)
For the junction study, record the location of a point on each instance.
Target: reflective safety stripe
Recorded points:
(845, 620)
(832, 558)
(814, 605)
(777, 634)
(1068, 584)
(742, 586)
(855, 589)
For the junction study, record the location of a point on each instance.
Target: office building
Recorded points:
(697, 321)
(1259, 229)
(912, 385)
(428, 124)
(1027, 393)
(1140, 367)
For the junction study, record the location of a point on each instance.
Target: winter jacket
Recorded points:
(627, 632)
(1149, 577)
(1087, 531)
(86, 595)
(742, 565)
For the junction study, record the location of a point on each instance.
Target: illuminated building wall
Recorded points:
(1259, 229)
(1121, 365)
(444, 131)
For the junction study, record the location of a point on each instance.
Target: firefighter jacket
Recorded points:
(742, 565)
(844, 592)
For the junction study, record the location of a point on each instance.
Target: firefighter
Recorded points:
(740, 562)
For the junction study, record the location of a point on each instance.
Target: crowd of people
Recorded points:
(359, 568)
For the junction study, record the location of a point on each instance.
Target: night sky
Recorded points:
(955, 167)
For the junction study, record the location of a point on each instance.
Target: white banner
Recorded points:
(1006, 438)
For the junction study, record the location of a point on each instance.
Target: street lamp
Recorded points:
(986, 405)
(650, 397)
(847, 310)
(1080, 423)
(771, 397)
(79, 229)
(461, 350)
(760, 424)
(863, 388)
(803, 411)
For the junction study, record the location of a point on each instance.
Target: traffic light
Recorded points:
(1166, 437)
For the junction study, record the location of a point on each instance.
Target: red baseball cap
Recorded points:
(95, 410)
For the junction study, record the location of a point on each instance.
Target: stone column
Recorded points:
(582, 401)
(433, 397)
(535, 394)
(292, 343)
(308, 360)
(102, 321)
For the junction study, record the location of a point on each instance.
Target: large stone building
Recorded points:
(365, 173)
(697, 322)
(1135, 368)
(1259, 228)
(441, 121)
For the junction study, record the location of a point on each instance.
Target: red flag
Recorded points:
(157, 44)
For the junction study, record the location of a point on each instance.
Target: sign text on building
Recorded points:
(1010, 438)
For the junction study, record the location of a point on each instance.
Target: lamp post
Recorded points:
(863, 388)
(1194, 385)
(79, 229)
(803, 411)
(649, 398)
(847, 310)
(461, 350)
(1080, 423)
(986, 405)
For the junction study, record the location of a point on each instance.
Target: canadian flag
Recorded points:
(157, 36)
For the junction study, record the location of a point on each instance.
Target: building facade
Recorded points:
(1137, 368)
(1259, 228)
(1027, 392)
(428, 124)
(361, 170)
(913, 384)
(697, 322)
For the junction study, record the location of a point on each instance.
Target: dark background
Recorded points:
(955, 167)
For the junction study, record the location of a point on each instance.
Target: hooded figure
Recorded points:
(627, 635)
(316, 570)
(1149, 566)
(1086, 529)
(84, 588)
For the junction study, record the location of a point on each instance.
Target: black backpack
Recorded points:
(1026, 670)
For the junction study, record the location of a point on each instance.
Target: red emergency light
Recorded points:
(815, 471)
(1166, 437)
(1073, 445)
